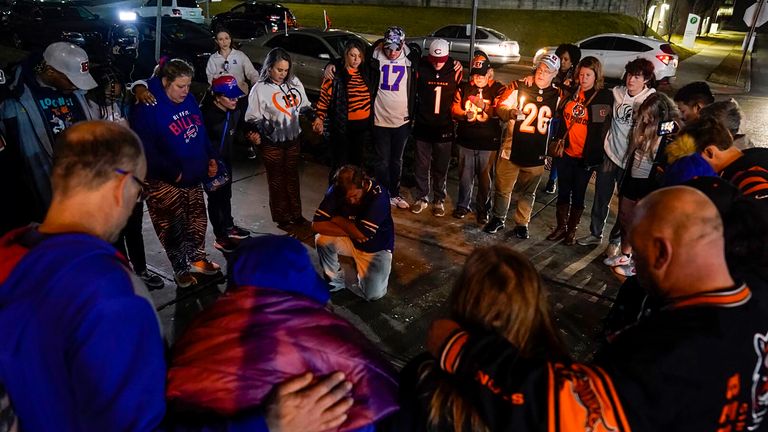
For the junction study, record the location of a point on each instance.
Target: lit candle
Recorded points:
(520, 115)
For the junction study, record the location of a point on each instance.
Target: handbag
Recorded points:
(556, 147)
(222, 176)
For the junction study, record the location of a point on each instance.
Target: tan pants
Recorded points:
(521, 182)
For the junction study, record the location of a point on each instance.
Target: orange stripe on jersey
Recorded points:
(731, 298)
(756, 188)
(614, 398)
(452, 352)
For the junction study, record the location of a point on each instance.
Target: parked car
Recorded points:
(615, 50)
(495, 45)
(186, 9)
(180, 39)
(36, 24)
(310, 49)
(253, 19)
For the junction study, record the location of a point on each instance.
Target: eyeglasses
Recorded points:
(143, 187)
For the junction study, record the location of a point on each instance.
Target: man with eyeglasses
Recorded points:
(81, 346)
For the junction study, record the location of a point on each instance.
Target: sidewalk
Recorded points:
(708, 64)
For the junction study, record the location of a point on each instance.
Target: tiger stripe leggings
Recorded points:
(178, 215)
(282, 165)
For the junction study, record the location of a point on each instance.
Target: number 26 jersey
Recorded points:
(525, 140)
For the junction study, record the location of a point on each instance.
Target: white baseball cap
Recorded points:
(551, 60)
(72, 61)
(438, 50)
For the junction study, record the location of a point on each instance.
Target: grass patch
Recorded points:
(532, 29)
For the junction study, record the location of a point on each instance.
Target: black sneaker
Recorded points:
(521, 232)
(152, 281)
(494, 226)
(226, 244)
(460, 212)
(238, 233)
(482, 217)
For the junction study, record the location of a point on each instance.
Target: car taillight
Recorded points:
(176, 12)
(664, 58)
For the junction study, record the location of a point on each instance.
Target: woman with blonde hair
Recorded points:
(498, 291)
(646, 158)
(584, 114)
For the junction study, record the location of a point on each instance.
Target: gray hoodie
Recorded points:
(624, 108)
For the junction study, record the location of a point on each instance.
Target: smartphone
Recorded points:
(667, 128)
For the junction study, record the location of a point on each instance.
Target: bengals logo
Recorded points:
(84, 67)
(286, 102)
(625, 114)
(478, 64)
(583, 401)
(579, 110)
(760, 382)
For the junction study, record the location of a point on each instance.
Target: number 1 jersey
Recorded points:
(525, 140)
(434, 95)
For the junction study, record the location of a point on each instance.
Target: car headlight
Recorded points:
(127, 16)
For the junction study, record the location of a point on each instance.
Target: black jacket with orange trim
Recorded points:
(750, 173)
(699, 364)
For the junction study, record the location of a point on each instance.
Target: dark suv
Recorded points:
(253, 19)
(36, 24)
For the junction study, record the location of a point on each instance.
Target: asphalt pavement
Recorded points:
(428, 254)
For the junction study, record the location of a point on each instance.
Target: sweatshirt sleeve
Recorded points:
(254, 112)
(210, 69)
(326, 93)
(250, 72)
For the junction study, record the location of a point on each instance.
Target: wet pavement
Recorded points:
(430, 251)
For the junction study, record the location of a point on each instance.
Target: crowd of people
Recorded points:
(82, 346)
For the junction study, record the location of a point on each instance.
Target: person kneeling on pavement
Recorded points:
(273, 324)
(354, 219)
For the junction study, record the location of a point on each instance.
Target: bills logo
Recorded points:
(84, 67)
(190, 133)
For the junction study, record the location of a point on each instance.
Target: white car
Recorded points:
(186, 9)
(615, 50)
(499, 48)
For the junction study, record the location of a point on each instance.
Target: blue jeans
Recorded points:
(572, 181)
(389, 144)
(609, 175)
(432, 160)
(475, 163)
(373, 268)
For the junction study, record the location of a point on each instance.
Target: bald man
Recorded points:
(696, 363)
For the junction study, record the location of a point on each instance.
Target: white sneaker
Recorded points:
(626, 270)
(399, 202)
(419, 206)
(618, 260)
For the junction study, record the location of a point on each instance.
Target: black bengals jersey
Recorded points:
(531, 129)
(434, 96)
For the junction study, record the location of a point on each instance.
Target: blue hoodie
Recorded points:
(174, 137)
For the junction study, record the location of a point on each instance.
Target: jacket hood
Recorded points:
(280, 263)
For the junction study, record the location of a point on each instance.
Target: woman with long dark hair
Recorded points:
(274, 106)
(584, 134)
(344, 108)
(499, 291)
(179, 158)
